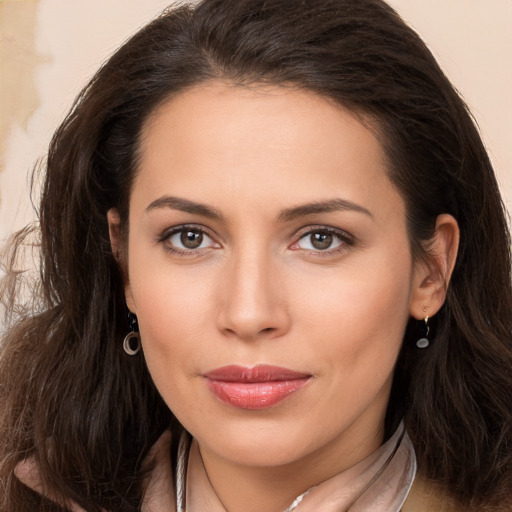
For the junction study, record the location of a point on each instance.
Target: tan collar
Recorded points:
(426, 496)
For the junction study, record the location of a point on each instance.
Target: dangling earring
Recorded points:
(423, 342)
(131, 342)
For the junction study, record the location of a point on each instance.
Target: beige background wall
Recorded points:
(49, 48)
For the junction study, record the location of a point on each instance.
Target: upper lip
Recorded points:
(259, 373)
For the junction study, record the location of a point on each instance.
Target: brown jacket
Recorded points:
(428, 497)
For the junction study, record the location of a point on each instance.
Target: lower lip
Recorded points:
(255, 395)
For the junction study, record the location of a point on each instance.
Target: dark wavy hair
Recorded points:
(69, 395)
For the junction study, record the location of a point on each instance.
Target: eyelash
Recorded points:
(345, 240)
(166, 236)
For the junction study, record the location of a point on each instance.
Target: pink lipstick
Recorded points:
(259, 387)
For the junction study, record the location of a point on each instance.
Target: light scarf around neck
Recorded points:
(380, 482)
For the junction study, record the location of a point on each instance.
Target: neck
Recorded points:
(273, 488)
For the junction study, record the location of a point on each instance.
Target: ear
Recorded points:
(119, 252)
(432, 275)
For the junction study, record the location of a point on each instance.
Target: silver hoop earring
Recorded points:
(424, 342)
(131, 342)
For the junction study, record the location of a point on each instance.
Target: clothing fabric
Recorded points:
(384, 481)
(379, 483)
(427, 496)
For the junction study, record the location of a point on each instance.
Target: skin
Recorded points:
(259, 290)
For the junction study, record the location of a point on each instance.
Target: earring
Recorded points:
(131, 342)
(424, 342)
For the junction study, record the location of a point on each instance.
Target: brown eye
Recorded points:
(321, 241)
(188, 240)
(191, 239)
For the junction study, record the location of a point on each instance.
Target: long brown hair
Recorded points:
(72, 399)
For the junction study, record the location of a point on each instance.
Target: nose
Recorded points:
(253, 301)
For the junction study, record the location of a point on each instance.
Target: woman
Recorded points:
(294, 209)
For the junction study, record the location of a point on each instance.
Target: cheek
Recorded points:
(174, 310)
(358, 319)
(169, 305)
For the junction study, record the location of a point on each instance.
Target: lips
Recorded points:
(260, 387)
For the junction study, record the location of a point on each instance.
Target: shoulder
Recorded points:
(158, 487)
(426, 496)
(429, 496)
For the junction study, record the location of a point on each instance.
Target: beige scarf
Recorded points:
(379, 483)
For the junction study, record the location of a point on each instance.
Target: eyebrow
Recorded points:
(332, 205)
(184, 205)
(287, 215)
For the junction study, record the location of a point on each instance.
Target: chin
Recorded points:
(263, 444)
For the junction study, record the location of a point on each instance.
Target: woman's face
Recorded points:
(271, 274)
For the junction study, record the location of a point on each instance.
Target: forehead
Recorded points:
(219, 138)
(265, 112)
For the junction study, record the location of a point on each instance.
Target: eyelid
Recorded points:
(346, 238)
(164, 237)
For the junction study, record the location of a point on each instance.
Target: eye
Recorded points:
(187, 239)
(319, 241)
(323, 240)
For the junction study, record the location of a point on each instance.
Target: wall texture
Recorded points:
(49, 48)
